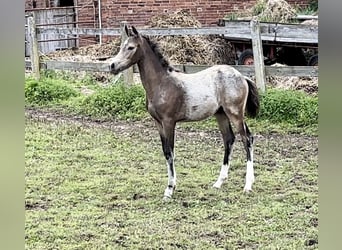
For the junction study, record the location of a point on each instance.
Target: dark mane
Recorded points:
(165, 63)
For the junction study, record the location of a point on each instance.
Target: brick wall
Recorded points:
(138, 12)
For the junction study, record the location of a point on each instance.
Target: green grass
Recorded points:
(91, 186)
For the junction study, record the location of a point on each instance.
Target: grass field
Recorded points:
(100, 185)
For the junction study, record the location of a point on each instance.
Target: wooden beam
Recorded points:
(33, 44)
(275, 32)
(232, 30)
(144, 31)
(309, 71)
(260, 77)
(78, 66)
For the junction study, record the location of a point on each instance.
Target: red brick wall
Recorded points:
(138, 12)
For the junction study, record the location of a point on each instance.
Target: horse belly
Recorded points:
(200, 105)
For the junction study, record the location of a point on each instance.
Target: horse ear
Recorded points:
(127, 31)
(135, 32)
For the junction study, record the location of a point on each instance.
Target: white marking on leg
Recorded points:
(223, 175)
(171, 178)
(249, 175)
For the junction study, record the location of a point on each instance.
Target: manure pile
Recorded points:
(190, 49)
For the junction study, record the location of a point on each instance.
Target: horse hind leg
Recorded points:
(247, 139)
(248, 143)
(228, 140)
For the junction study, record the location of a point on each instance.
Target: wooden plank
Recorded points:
(307, 71)
(295, 33)
(232, 30)
(306, 17)
(310, 71)
(80, 31)
(78, 66)
(302, 71)
(33, 43)
(260, 77)
(144, 31)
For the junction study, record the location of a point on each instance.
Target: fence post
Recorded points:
(33, 44)
(258, 55)
(128, 73)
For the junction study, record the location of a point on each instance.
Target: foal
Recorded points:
(172, 96)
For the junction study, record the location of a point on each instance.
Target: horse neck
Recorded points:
(151, 70)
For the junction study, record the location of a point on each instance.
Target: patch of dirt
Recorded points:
(146, 130)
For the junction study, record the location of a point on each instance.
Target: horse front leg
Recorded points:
(167, 132)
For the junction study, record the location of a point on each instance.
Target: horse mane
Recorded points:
(155, 48)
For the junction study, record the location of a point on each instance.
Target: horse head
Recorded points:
(130, 52)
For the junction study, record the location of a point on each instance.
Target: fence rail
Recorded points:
(233, 30)
(309, 71)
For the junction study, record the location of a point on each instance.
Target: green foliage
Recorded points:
(289, 106)
(233, 16)
(310, 9)
(47, 91)
(116, 101)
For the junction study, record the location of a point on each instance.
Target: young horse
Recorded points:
(172, 96)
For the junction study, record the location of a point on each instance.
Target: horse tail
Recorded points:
(253, 103)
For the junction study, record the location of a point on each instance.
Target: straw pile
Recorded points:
(277, 11)
(178, 19)
(89, 53)
(307, 84)
(190, 49)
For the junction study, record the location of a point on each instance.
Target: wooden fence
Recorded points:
(256, 31)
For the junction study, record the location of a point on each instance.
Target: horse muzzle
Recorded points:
(114, 69)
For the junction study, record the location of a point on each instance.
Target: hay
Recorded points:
(178, 19)
(277, 11)
(307, 84)
(89, 53)
(190, 49)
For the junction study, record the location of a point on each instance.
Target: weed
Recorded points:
(47, 91)
(289, 106)
(118, 101)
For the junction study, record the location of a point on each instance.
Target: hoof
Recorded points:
(167, 199)
(247, 190)
(217, 185)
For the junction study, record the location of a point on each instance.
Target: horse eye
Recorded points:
(130, 48)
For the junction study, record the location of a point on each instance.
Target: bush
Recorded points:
(116, 101)
(47, 91)
(293, 107)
